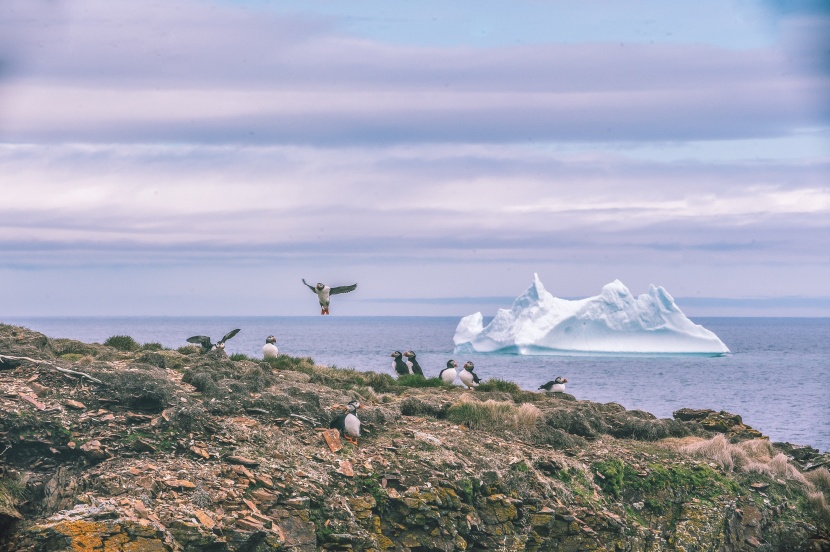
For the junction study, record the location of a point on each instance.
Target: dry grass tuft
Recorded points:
(754, 456)
(493, 415)
(819, 505)
(717, 449)
(820, 479)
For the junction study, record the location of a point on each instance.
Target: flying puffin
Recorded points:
(204, 341)
(412, 364)
(270, 350)
(399, 365)
(325, 292)
(348, 423)
(555, 386)
(449, 374)
(468, 377)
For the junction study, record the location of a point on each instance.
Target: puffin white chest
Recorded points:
(270, 351)
(557, 388)
(467, 378)
(448, 376)
(324, 295)
(351, 425)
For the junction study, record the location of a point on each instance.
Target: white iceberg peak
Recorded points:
(613, 322)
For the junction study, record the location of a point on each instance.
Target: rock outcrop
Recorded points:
(162, 450)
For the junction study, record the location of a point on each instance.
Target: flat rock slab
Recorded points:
(242, 461)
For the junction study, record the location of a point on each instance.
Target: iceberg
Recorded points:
(612, 323)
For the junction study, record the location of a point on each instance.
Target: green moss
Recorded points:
(71, 357)
(520, 467)
(681, 481)
(611, 474)
(466, 489)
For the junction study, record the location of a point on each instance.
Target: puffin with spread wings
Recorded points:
(204, 341)
(325, 292)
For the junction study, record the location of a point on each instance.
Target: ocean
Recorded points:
(777, 377)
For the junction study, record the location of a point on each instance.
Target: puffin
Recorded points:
(399, 365)
(449, 374)
(412, 364)
(204, 341)
(468, 377)
(270, 350)
(555, 386)
(348, 423)
(325, 292)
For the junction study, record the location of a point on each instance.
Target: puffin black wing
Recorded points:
(229, 335)
(202, 340)
(341, 289)
(312, 288)
(547, 386)
(416, 368)
(339, 422)
(475, 377)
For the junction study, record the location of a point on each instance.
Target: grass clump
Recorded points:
(496, 384)
(122, 343)
(153, 346)
(287, 362)
(753, 456)
(493, 415)
(414, 380)
(236, 357)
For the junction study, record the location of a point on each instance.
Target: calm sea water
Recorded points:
(777, 377)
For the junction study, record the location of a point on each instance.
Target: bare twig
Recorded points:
(309, 420)
(56, 367)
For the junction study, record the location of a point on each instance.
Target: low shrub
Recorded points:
(122, 343)
(152, 347)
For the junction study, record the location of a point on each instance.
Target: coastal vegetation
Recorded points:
(138, 447)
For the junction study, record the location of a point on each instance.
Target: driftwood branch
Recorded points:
(55, 366)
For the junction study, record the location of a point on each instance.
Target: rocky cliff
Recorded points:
(128, 447)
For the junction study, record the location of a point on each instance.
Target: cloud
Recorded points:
(175, 73)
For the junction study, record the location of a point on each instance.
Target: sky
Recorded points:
(195, 157)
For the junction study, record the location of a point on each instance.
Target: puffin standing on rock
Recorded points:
(325, 292)
(412, 364)
(270, 350)
(555, 386)
(468, 377)
(348, 423)
(449, 374)
(399, 365)
(204, 341)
